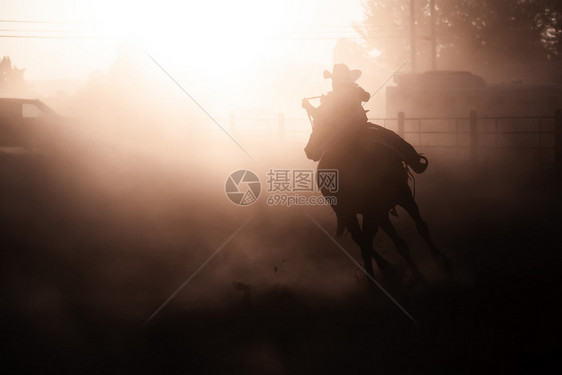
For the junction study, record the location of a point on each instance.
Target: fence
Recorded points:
(474, 137)
(484, 137)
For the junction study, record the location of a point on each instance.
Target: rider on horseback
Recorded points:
(342, 108)
(371, 163)
(343, 105)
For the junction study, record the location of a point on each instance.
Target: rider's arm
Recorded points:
(310, 109)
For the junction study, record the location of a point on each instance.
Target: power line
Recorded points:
(45, 31)
(265, 39)
(50, 22)
(98, 23)
(294, 27)
(291, 33)
(58, 37)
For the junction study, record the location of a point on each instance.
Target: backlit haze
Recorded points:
(228, 55)
(131, 242)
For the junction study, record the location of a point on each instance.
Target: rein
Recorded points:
(311, 122)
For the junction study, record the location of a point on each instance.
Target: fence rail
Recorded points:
(474, 136)
(484, 137)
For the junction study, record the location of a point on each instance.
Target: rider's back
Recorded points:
(342, 106)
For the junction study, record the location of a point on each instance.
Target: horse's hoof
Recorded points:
(419, 279)
(411, 284)
(392, 278)
(383, 264)
(443, 262)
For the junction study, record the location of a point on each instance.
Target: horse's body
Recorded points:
(372, 181)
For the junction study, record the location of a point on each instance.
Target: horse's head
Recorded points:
(321, 136)
(311, 149)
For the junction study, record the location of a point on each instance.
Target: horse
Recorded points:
(373, 180)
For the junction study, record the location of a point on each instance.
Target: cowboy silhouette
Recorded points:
(342, 105)
(342, 108)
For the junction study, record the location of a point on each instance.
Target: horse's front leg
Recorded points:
(364, 238)
(370, 229)
(352, 225)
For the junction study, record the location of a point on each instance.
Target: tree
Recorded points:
(469, 31)
(386, 29)
(11, 78)
(502, 30)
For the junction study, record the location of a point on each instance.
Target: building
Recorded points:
(456, 93)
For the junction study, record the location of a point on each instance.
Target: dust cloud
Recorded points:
(127, 200)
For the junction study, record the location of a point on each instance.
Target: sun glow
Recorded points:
(246, 54)
(205, 35)
(218, 45)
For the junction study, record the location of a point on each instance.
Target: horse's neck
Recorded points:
(342, 151)
(348, 140)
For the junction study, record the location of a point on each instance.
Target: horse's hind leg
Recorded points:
(370, 228)
(360, 237)
(400, 244)
(411, 207)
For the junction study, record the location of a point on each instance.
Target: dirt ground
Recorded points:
(91, 250)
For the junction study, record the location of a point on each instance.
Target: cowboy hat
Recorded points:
(341, 73)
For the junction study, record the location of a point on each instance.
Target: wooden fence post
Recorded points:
(558, 139)
(400, 129)
(281, 126)
(473, 135)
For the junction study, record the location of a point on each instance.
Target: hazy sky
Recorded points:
(216, 36)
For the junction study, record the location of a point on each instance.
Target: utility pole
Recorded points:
(432, 37)
(413, 34)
